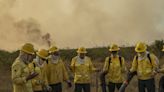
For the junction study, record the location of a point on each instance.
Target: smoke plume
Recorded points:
(74, 23)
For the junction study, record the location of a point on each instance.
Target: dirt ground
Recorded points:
(6, 84)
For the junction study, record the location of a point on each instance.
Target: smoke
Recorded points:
(31, 31)
(14, 32)
(74, 23)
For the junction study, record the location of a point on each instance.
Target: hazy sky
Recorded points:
(90, 23)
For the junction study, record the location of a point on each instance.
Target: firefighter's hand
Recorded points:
(103, 73)
(158, 70)
(69, 84)
(49, 89)
(154, 73)
(31, 76)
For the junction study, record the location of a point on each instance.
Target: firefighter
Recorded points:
(161, 82)
(21, 76)
(82, 67)
(39, 65)
(145, 64)
(56, 71)
(114, 68)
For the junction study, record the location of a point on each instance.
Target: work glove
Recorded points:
(47, 89)
(69, 84)
(31, 76)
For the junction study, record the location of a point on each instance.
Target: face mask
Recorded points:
(25, 59)
(80, 60)
(55, 59)
(81, 56)
(114, 53)
(38, 62)
(37, 59)
(141, 54)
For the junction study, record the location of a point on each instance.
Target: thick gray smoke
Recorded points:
(14, 32)
(90, 23)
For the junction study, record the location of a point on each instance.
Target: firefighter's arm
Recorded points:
(91, 66)
(103, 74)
(65, 73)
(123, 65)
(106, 65)
(17, 76)
(72, 66)
(32, 69)
(155, 62)
(45, 74)
(134, 65)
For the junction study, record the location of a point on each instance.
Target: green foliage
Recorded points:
(97, 54)
(68, 54)
(6, 58)
(156, 47)
(128, 53)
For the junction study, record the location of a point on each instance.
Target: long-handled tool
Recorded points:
(103, 82)
(97, 82)
(127, 81)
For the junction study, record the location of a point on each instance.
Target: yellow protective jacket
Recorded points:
(82, 72)
(19, 73)
(144, 67)
(116, 69)
(56, 72)
(39, 81)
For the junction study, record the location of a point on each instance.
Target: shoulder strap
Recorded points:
(47, 61)
(74, 65)
(109, 62)
(148, 56)
(136, 57)
(120, 59)
(34, 65)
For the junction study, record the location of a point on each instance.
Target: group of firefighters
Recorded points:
(45, 71)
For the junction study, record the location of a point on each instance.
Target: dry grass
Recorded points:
(5, 79)
(6, 84)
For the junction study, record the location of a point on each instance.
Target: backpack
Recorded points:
(120, 59)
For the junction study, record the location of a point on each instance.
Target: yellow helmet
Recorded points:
(42, 53)
(140, 47)
(163, 48)
(53, 49)
(81, 50)
(28, 48)
(114, 47)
